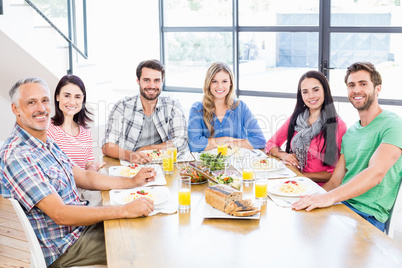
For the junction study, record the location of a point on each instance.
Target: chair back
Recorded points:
(390, 223)
(37, 258)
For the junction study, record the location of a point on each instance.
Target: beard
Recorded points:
(31, 124)
(366, 105)
(148, 97)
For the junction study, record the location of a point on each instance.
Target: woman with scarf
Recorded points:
(313, 132)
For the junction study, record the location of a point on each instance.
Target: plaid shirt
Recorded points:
(30, 171)
(126, 121)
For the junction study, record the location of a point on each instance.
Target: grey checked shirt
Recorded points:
(126, 120)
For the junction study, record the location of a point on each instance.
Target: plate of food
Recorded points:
(293, 187)
(229, 178)
(268, 164)
(156, 194)
(131, 170)
(155, 155)
(125, 171)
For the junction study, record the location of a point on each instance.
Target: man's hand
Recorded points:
(139, 158)
(145, 175)
(310, 202)
(139, 207)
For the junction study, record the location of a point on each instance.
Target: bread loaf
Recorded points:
(220, 195)
(245, 213)
(242, 205)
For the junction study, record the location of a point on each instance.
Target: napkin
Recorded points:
(285, 172)
(168, 207)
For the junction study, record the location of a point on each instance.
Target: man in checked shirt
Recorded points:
(40, 176)
(145, 121)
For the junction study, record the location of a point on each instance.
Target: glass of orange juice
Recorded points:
(222, 146)
(167, 160)
(248, 175)
(184, 192)
(261, 187)
(170, 146)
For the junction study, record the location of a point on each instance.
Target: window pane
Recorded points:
(275, 61)
(188, 56)
(278, 12)
(197, 13)
(366, 13)
(381, 49)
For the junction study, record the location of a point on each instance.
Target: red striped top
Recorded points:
(78, 148)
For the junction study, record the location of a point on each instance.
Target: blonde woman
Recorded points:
(221, 117)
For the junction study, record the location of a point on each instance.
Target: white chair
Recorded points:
(37, 258)
(390, 223)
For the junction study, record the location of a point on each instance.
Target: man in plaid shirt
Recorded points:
(36, 173)
(145, 121)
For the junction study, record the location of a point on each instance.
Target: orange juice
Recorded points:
(184, 197)
(223, 149)
(261, 189)
(248, 175)
(174, 153)
(167, 164)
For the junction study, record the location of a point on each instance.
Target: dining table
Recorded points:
(281, 237)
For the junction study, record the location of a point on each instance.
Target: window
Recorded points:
(270, 43)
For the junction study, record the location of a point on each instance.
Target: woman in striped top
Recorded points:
(69, 124)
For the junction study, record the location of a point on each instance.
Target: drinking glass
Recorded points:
(170, 146)
(184, 192)
(222, 147)
(261, 186)
(167, 159)
(248, 175)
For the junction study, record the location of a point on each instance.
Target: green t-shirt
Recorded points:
(358, 145)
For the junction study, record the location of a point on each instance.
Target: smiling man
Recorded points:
(145, 121)
(40, 176)
(369, 170)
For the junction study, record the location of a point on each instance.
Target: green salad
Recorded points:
(224, 179)
(214, 162)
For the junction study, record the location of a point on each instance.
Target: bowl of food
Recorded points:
(197, 176)
(215, 162)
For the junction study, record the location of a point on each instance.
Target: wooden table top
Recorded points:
(282, 237)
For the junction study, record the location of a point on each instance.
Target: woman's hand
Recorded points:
(94, 166)
(289, 159)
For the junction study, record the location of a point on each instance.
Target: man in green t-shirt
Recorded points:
(369, 170)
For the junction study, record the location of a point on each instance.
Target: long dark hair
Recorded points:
(82, 117)
(328, 132)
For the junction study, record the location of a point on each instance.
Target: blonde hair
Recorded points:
(208, 99)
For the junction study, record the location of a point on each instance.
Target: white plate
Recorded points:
(183, 156)
(155, 158)
(159, 179)
(213, 213)
(161, 194)
(274, 165)
(311, 187)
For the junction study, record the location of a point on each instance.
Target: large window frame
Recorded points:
(324, 30)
